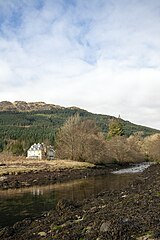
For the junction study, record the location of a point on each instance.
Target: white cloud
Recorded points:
(102, 56)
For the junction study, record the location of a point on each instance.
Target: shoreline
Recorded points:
(46, 177)
(125, 214)
(17, 172)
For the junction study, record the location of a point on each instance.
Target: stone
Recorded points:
(105, 226)
(42, 234)
(3, 178)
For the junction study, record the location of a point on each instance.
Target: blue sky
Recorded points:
(100, 55)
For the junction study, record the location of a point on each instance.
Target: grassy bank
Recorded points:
(11, 165)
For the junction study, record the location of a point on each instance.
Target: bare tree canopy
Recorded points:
(80, 140)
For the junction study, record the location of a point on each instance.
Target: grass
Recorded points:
(17, 165)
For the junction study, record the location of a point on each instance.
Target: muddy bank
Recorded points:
(44, 177)
(127, 214)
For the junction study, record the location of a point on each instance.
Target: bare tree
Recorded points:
(81, 140)
(122, 150)
(95, 150)
(151, 147)
(66, 138)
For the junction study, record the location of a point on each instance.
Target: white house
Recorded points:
(40, 151)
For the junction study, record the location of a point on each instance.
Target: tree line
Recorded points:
(82, 140)
(79, 138)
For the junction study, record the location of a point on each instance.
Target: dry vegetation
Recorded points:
(83, 141)
(16, 165)
(151, 147)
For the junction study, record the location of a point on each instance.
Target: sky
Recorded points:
(99, 55)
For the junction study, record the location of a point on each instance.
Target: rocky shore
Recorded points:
(130, 213)
(45, 177)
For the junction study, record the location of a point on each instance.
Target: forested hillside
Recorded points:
(25, 127)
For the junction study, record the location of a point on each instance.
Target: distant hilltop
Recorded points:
(22, 106)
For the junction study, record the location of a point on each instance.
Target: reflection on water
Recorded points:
(16, 204)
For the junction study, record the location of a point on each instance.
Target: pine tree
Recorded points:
(115, 128)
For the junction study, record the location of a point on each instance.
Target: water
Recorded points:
(17, 204)
(136, 168)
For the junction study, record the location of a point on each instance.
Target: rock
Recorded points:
(105, 226)
(124, 196)
(42, 234)
(3, 178)
(22, 106)
(6, 232)
(157, 235)
(147, 236)
(88, 229)
(65, 204)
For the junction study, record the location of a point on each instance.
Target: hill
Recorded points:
(20, 106)
(38, 122)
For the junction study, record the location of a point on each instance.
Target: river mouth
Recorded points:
(17, 204)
